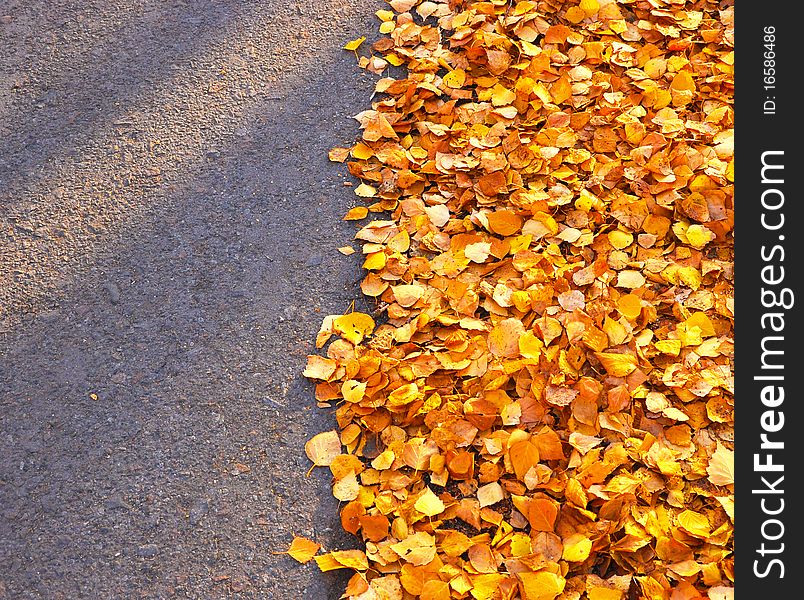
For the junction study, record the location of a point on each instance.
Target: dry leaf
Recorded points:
(302, 549)
(354, 44)
(547, 392)
(721, 466)
(323, 448)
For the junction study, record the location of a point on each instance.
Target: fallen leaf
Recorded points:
(490, 494)
(354, 44)
(302, 549)
(323, 448)
(548, 387)
(429, 504)
(354, 326)
(576, 548)
(721, 466)
(541, 585)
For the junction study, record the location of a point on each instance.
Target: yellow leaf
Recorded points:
(541, 585)
(489, 494)
(690, 276)
(327, 562)
(727, 502)
(365, 191)
(575, 15)
(323, 448)
(384, 460)
(694, 523)
(395, 59)
(362, 151)
(375, 261)
(529, 345)
(338, 154)
(417, 549)
(629, 306)
(404, 394)
(347, 488)
(700, 320)
(354, 44)
(485, 586)
(502, 96)
(353, 391)
(699, 236)
(354, 326)
(429, 504)
(455, 78)
(603, 593)
(477, 252)
(615, 331)
(302, 549)
(352, 559)
(590, 7)
(683, 81)
(620, 239)
(576, 548)
(521, 299)
(521, 544)
(319, 367)
(356, 213)
(672, 347)
(721, 466)
(618, 365)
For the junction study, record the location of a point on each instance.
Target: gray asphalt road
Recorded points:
(168, 225)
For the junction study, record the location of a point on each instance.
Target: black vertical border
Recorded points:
(757, 132)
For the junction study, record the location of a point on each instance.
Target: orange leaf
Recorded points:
(302, 549)
(542, 514)
(524, 455)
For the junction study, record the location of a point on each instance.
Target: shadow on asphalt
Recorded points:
(152, 422)
(91, 94)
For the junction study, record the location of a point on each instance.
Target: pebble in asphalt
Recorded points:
(168, 225)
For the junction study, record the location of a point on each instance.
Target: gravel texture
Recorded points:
(168, 225)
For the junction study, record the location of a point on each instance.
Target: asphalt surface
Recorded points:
(168, 225)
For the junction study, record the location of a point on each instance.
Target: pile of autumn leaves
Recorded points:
(541, 406)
